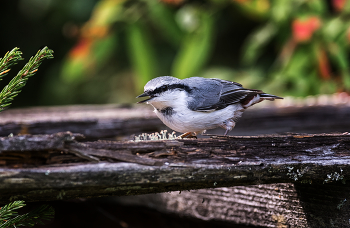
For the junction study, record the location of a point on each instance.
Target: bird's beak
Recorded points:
(145, 94)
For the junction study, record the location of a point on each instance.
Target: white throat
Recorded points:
(175, 99)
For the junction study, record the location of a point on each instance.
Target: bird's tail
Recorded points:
(269, 96)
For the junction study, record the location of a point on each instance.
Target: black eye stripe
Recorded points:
(170, 87)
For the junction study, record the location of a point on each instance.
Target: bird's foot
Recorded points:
(228, 125)
(188, 135)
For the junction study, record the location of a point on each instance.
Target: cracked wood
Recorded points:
(38, 172)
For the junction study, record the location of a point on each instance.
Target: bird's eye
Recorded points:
(164, 88)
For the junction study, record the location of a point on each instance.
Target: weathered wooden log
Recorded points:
(94, 121)
(65, 166)
(38, 172)
(268, 205)
(110, 121)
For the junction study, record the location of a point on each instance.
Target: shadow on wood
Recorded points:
(325, 205)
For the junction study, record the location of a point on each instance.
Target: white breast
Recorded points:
(186, 120)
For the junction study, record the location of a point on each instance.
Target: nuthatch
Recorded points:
(196, 104)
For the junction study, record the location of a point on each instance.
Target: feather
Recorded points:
(217, 94)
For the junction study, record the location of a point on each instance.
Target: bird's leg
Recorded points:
(203, 133)
(228, 125)
(188, 135)
(227, 130)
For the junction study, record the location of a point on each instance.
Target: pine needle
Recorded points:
(16, 84)
(10, 218)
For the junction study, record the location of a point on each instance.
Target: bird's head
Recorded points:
(163, 90)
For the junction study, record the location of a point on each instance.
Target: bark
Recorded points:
(111, 121)
(288, 180)
(269, 205)
(94, 121)
(41, 167)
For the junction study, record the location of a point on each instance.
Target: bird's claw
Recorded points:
(187, 135)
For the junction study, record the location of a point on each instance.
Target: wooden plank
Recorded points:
(111, 121)
(293, 180)
(178, 165)
(94, 121)
(265, 205)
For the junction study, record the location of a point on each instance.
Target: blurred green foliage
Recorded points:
(306, 42)
(148, 32)
(312, 44)
(106, 50)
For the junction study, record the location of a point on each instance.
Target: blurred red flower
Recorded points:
(81, 49)
(338, 4)
(303, 29)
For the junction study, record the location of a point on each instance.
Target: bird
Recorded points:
(195, 104)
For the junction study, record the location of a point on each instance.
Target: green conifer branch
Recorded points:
(15, 85)
(8, 211)
(10, 218)
(11, 58)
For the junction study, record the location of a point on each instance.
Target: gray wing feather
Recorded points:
(232, 92)
(228, 85)
(215, 94)
(205, 93)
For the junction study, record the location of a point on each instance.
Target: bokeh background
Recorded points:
(106, 50)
